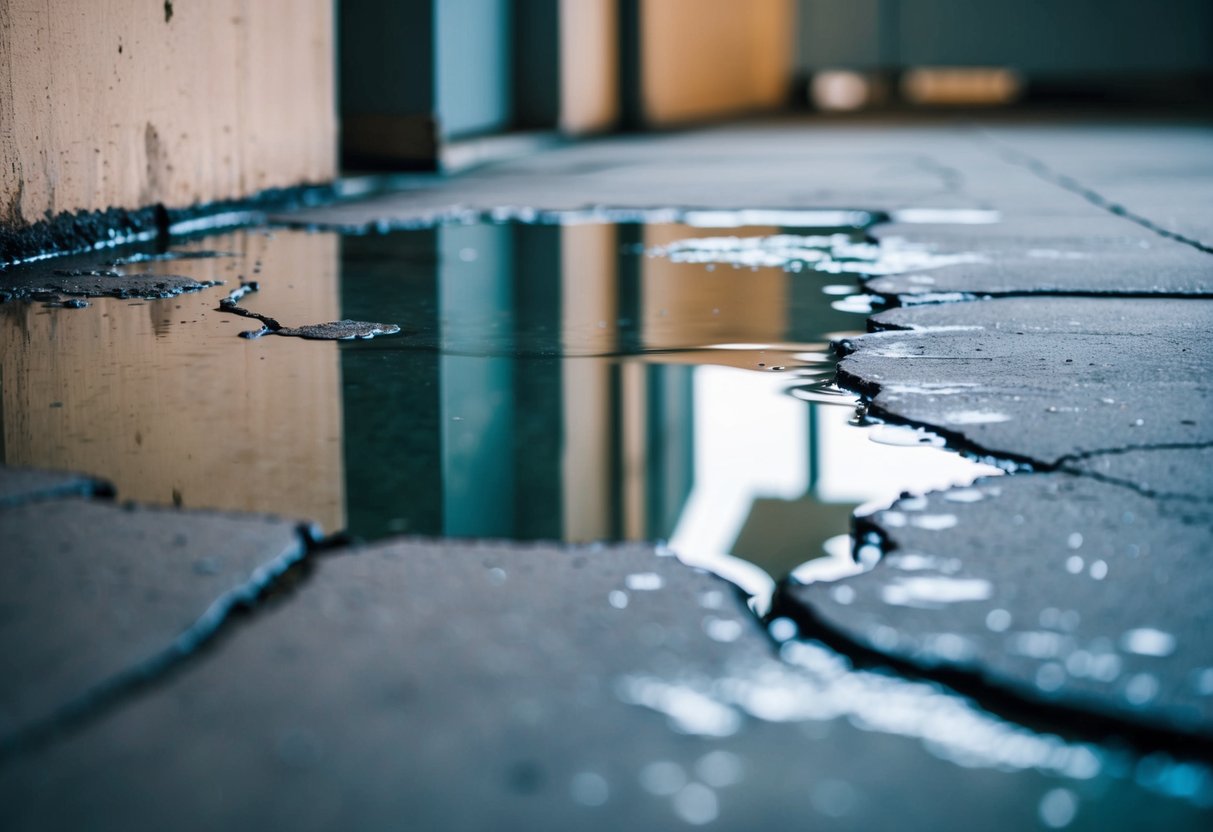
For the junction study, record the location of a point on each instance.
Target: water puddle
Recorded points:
(599, 376)
(576, 377)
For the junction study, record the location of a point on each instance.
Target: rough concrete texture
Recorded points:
(1181, 472)
(1051, 235)
(1060, 588)
(461, 686)
(90, 590)
(1163, 177)
(24, 485)
(40, 279)
(452, 685)
(1098, 255)
(1044, 379)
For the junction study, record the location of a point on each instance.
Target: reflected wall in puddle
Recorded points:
(163, 400)
(556, 383)
(684, 305)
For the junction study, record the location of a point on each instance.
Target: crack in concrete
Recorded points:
(127, 683)
(1136, 488)
(1014, 463)
(1126, 449)
(1067, 465)
(1014, 156)
(895, 300)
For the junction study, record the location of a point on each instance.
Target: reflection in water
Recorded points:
(161, 398)
(556, 382)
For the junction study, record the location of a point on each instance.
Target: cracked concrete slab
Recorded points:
(1061, 589)
(477, 685)
(1047, 239)
(1182, 472)
(1078, 589)
(797, 163)
(420, 682)
(1163, 175)
(1096, 255)
(1043, 379)
(95, 595)
(25, 485)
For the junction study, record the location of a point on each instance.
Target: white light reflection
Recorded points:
(753, 442)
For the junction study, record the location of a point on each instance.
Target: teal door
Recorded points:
(473, 62)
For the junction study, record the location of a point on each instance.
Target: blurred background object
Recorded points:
(995, 52)
(136, 106)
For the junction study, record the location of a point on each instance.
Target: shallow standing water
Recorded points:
(578, 382)
(581, 381)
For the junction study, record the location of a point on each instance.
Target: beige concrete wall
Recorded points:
(589, 65)
(708, 58)
(117, 103)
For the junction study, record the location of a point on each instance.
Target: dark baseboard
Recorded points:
(83, 230)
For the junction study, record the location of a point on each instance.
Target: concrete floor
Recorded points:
(429, 684)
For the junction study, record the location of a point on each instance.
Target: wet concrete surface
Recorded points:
(1044, 379)
(98, 597)
(474, 685)
(1066, 590)
(422, 683)
(1050, 254)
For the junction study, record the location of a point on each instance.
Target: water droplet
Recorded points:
(998, 620)
(722, 629)
(1146, 641)
(1058, 808)
(589, 789)
(935, 590)
(719, 769)
(617, 598)
(784, 629)
(842, 594)
(497, 575)
(892, 519)
(644, 581)
(1050, 677)
(1074, 564)
(1141, 688)
(1074, 541)
(696, 804)
(1105, 667)
(662, 778)
(974, 417)
(1204, 681)
(934, 522)
(1099, 570)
